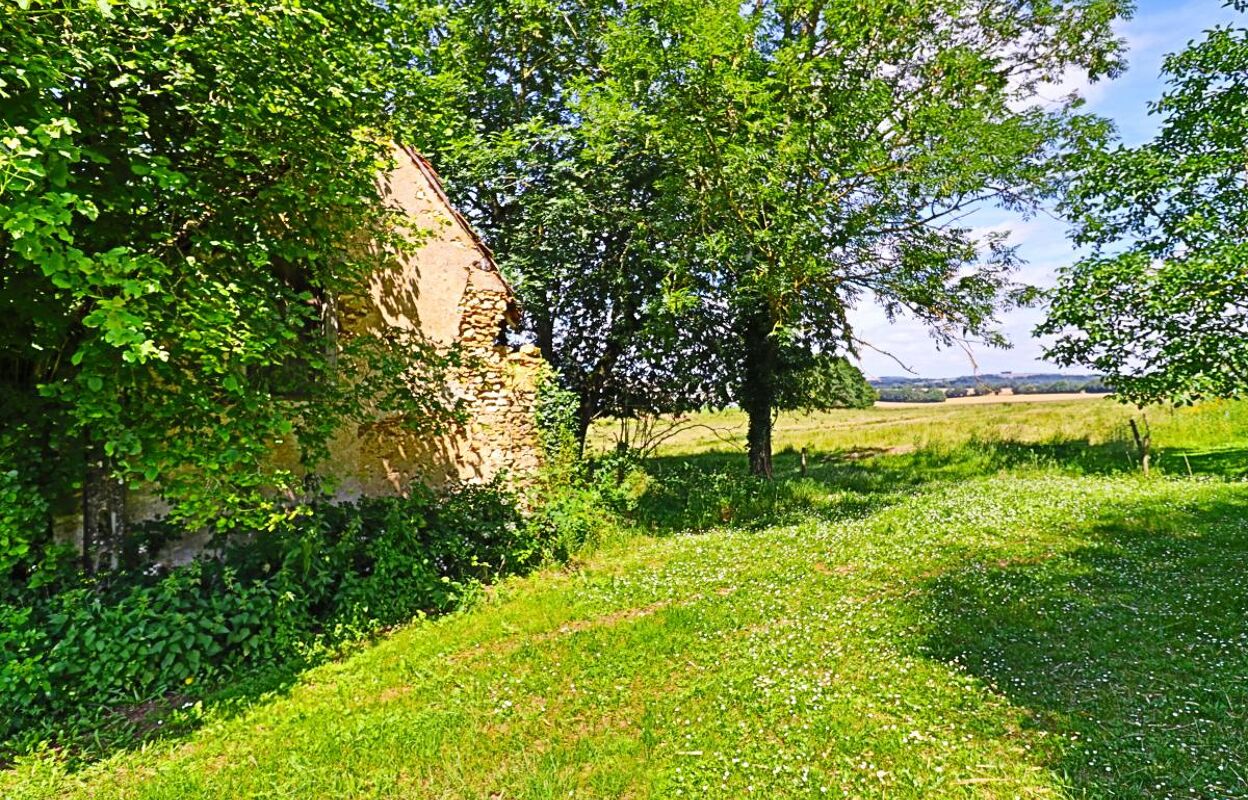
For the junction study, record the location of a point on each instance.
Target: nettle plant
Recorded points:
(183, 187)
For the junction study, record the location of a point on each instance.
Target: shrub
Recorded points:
(578, 503)
(22, 513)
(555, 413)
(330, 574)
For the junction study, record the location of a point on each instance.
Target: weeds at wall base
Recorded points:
(90, 663)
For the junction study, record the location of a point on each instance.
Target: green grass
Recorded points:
(1087, 428)
(974, 601)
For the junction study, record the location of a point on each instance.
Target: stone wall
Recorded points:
(498, 388)
(448, 291)
(494, 387)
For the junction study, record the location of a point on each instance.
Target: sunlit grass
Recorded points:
(1095, 420)
(984, 601)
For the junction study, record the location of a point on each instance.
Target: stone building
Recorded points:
(450, 291)
(447, 291)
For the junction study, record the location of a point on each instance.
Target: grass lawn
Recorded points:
(960, 601)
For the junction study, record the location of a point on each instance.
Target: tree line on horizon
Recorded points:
(935, 390)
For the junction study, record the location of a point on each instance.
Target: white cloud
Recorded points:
(1160, 27)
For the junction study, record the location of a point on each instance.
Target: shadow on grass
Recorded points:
(177, 715)
(691, 493)
(1226, 462)
(1134, 648)
(1075, 456)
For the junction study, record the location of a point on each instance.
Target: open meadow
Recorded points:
(955, 601)
(326, 325)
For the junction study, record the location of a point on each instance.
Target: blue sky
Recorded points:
(1158, 27)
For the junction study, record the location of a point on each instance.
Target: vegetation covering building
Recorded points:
(450, 292)
(446, 292)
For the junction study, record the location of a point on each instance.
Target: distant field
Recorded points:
(956, 602)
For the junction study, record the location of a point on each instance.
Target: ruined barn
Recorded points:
(447, 291)
(450, 291)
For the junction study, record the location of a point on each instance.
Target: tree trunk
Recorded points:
(103, 515)
(758, 392)
(584, 419)
(1143, 441)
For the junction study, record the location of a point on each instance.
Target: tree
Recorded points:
(817, 155)
(569, 190)
(687, 190)
(817, 382)
(1160, 305)
(564, 198)
(183, 187)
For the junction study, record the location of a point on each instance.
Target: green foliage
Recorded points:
(819, 382)
(908, 394)
(23, 518)
(555, 409)
(329, 575)
(1061, 387)
(818, 177)
(687, 186)
(182, 187)
(566, 196)
(1159, 307)
(579, 502)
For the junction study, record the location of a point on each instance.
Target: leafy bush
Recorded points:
(554, 411)
(22, 511)
(576, 499)
(331, 574)
(583, 501)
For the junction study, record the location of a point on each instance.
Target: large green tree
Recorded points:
(1160, 305)
(574, 190)
(184, 189)
(565, 198)
(821, 154)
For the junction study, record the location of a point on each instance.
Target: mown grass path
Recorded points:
(1026, 633)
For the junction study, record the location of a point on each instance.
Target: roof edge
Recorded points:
(488, 264)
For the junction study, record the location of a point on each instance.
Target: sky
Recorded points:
(1157, 28)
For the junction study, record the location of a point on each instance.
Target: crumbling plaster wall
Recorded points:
(495, 388)
(449, 291)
